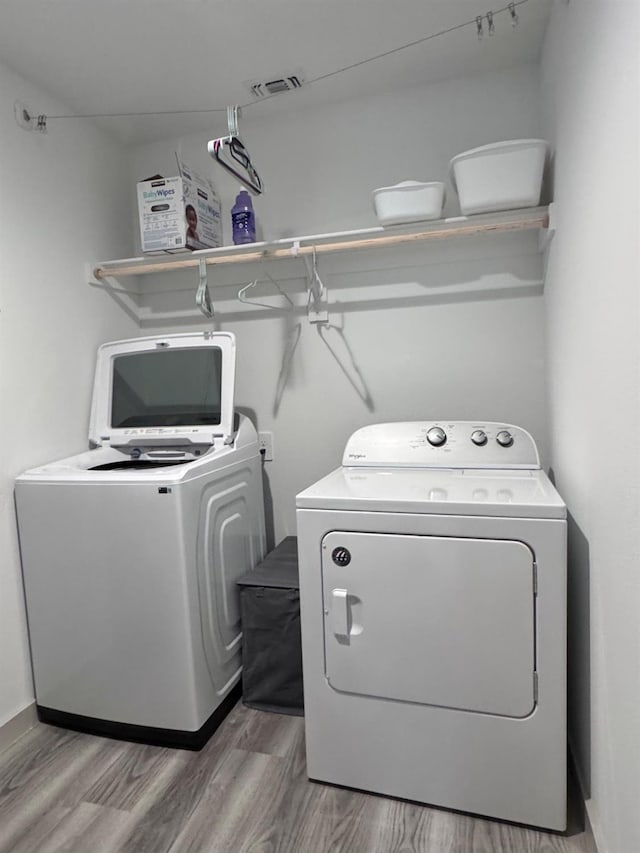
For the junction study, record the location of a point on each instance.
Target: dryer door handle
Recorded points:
(340, 612)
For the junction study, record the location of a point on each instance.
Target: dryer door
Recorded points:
(439, 621)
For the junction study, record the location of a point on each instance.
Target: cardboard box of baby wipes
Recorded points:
(179, 214)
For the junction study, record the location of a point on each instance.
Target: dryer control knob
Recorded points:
(436, 436)
(479, 437)
(504, 438)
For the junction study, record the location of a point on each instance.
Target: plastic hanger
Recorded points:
(232, 145)
(203, 299)
(317, 305)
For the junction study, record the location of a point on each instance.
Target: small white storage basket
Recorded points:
(409, 201)
(501, 176)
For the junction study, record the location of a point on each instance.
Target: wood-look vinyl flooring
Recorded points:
(245, 792)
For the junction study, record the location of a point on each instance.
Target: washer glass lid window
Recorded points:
(167, 388)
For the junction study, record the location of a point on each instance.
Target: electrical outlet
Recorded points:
(265, 444)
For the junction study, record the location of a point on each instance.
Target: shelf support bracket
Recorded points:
(547, 234)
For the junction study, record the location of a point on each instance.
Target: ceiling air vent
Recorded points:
(274, 85)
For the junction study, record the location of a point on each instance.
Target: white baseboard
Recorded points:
(18, 726)
(594, 840)
(591, 828)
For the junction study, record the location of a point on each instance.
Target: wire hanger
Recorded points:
(235, 150)
(243, 291)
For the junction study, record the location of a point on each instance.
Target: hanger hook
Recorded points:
(233, 114)
(203, 299)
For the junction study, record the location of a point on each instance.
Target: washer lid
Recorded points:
(507, 493)
(169, 390)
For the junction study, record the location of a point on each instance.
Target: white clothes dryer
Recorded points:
(130, 551)
(433, 602)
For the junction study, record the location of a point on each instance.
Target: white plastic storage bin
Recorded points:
(409, 201)
(500, 176)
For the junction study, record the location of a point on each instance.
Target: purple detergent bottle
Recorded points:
(243, 219)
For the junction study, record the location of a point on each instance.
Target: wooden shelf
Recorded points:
(511, 220)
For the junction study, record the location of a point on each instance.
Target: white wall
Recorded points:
(64, 201)
(591, 95)
(408, 340)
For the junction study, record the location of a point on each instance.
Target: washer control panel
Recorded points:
(442, 444)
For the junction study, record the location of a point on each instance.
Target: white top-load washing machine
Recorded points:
(433, 590)
(130, 551)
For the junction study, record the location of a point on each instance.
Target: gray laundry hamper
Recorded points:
(272, 650)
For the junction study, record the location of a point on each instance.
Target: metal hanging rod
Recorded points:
(515, 220)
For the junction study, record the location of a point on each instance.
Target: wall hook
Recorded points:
(26, 120)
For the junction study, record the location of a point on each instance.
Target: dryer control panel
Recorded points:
(442, 444)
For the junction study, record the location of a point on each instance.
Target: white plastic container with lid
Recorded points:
(500, 176)
(409, 201)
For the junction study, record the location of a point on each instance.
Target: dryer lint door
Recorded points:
(439, 621)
